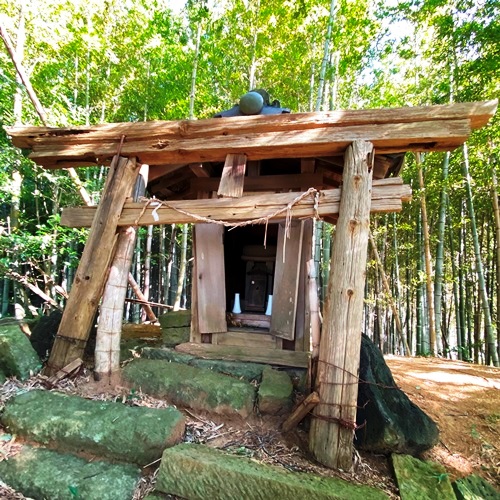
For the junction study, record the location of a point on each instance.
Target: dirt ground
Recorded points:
(463, 399)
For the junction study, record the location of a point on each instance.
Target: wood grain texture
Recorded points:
(311, 142)
(477, 113)
(387, 196)
(93, 268)
(233, 176)
(333, 423)
(254, 354)
(210, 278)
(286, 280)
(109, 327)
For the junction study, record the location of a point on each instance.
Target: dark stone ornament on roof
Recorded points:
(255, 102)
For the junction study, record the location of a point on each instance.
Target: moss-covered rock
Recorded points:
(103, 428)
(419, 480)
(275, 391)
(175, 335)
(166, 354)
(41, 473)
(17, 356)
(191, 387)
(175, 319)
(199, 472)
(245, 371)
(474, 488)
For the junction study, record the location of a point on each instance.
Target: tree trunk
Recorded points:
(438, 276)
(496, 211)
(326, 56)
(390, 297)
(146, 283)
(428, 265)
(419, 295)
(490, 337)
(334, 419)
(182, 267)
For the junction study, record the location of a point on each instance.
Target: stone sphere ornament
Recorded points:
(251, 103)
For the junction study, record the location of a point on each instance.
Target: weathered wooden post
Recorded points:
(334, 419)
(92, 271)
(109, 328)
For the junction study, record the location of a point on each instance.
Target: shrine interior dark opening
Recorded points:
(249, 266)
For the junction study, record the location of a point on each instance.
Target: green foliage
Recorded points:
(93, 62)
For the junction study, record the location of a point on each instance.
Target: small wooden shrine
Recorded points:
(252, 185)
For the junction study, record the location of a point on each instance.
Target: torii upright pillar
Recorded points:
(334, 418)
(93, 268)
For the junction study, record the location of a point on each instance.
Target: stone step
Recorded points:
(245, 371)
(474, 487)
(41, 473)
(199, 472)
(422, 480)
(103, 428)
(191, 387)
(17, 356)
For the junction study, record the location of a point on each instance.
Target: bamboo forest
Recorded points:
(433, 273)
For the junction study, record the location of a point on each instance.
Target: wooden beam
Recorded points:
(233, 176)
(140, 331)
(300, 412)
(199, 170)
(312, 142)
(334, 419)
(476, 113)
(387, 196)
(247, 353)
(92, 271)
(265, 183)
(109, 327)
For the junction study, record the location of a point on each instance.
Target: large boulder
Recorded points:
(388, 421)
(198, 472)
(17, 356)
(275, 392)
(43, 334)
(41, 473)
(103, 428)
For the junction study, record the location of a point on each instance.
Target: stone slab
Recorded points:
(17, 356)
(175, 319)
(474, 488)
(198, 472)
(275, 392)
(41, 473)
(103, 428)
(419, 480)
(191, 387)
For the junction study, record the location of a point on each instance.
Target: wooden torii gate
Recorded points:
(357, 136)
